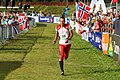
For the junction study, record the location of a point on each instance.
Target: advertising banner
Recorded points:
(95, 39)
(105, 42)
(110, 50)
(56, 20)
(46, 19)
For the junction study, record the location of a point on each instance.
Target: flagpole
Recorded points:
(116, 7)
(66, 2)
(87, 2)
(111, 5)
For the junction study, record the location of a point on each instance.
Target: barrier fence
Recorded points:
(116, 46)
(108, 43)
(9, 32)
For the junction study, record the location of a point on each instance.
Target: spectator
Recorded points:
(116, 25)
(84, 32)
(49, 14)
(78, 26)
(65, 13)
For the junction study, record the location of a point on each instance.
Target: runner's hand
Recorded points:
(66, 41)
(54, 41)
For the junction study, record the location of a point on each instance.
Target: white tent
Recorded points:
(98, 5)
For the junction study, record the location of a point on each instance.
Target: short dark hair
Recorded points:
(62, 18)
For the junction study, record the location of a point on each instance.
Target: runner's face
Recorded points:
(62, 22)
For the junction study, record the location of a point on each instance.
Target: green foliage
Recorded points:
(56, 10)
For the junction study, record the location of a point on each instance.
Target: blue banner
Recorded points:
(46, 19)
(95, 39)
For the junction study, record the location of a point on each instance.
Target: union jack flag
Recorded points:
(23, 22)
(83, 10)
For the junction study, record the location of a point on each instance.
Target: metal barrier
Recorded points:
(116, 47)
(11, 31)
(31, 22)
(4, 33)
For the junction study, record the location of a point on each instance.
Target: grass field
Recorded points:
(32, 56)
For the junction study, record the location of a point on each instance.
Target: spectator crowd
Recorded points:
(97, 22)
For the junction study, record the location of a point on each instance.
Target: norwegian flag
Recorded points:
(114, 1)
(23, 22)
(83, 11)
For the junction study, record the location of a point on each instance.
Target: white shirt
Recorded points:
(64, 33)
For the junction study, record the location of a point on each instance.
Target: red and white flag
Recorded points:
(23, 22)
(114, 1)
(83, 11)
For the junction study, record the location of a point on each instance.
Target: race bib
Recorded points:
(63, 36)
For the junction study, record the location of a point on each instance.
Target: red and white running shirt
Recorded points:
(64, 33)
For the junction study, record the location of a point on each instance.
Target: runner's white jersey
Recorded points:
(63, 33)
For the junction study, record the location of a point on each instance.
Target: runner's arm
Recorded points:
(56, 36)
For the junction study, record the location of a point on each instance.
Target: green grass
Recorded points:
(56, 10)
(33, 57)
